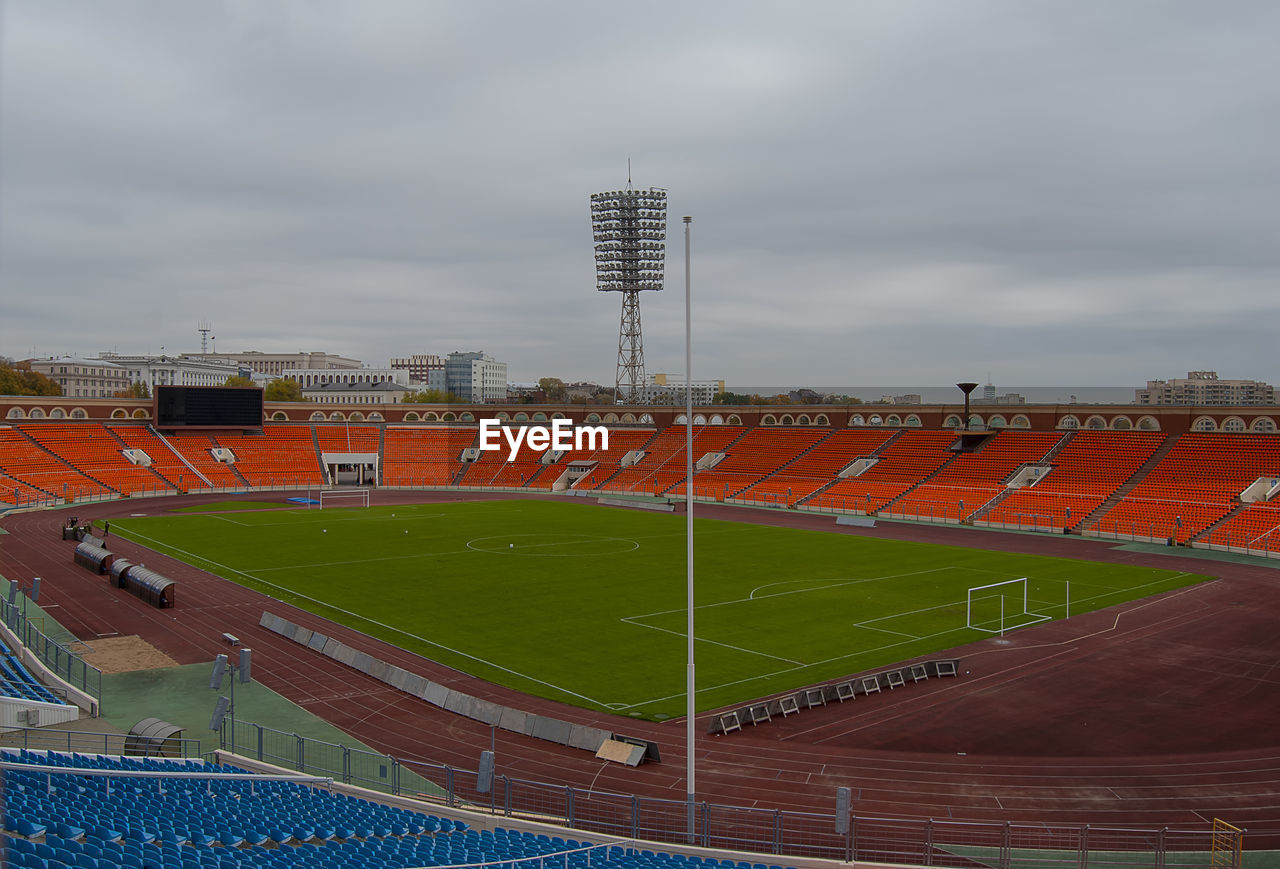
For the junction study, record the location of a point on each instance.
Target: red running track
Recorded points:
(1156, 713)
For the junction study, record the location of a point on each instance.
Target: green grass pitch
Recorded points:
(586, 604)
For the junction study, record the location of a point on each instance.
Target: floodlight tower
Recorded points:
(630, 228)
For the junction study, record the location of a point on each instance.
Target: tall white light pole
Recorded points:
(688, 510)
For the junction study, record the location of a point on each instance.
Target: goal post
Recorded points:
(344, 498)
(1000, 606)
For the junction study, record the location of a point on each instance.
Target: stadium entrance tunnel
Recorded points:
(351, 469)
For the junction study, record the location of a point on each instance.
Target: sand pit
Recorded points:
(124, 654)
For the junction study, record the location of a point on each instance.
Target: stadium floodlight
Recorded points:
(219, 669)
(630, 231)
(239, 672)
(484, 776)
(219, 713)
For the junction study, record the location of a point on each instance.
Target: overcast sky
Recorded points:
(883, 193)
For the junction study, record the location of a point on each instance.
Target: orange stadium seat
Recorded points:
(621, 442)
(909, 458)
(663, 465)
(98, 455)
(424, 455)
(1084, 473)
(1196, 484)
(967, 483)
(751, 458)
(817, 466)
(281, 456)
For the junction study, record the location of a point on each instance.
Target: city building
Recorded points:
(475, 377)
(380, 392)
(1205, 387)
(670, 389)
(275, 364)
(421, 367)
(91, 378)
(310, 377)
(989, 396)
(175, 371)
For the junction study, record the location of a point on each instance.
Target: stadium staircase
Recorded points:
(115, 435)
(95, 451)
(676, 488)
(173, 448)
(14, 491)
(462, 471)
(315, 442)
(871, 455)
(781, 470)
(231, 467)
(62, 463)
(1251, 527)
(646, 446)
(1047, 459)
(887, 506)
(1125, 488)
(536, 474)
(382, 447)
(1204, 535)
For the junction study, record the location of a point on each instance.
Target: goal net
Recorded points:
(1000, 607)
(344, 498)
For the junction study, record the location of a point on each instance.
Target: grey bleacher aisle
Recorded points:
(1129, 485)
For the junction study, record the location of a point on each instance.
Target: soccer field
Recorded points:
(586, 604)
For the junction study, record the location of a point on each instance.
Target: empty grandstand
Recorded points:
(1185, 487)
(1176, 486)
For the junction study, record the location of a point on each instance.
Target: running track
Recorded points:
(1157, 713)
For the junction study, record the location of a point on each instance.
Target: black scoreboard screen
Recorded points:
(208, 407)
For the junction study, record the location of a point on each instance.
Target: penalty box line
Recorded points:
(748, 680)
(797, 665)
(887, 646)
(368, 620)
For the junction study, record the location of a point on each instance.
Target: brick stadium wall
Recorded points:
(1043, 417)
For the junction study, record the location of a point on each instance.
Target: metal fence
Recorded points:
(61, 660)
(919, 842)
(49, 739)
(79, 495)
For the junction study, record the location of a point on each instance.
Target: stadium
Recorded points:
(1083, 676)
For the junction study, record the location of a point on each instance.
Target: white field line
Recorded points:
(885, 647)
(328, 519)
(363, 618)
(835, 583)
(712, 642)
(631, 619)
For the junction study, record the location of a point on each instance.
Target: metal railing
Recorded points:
(919, 842)
(83, 742)
(68, 666)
